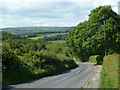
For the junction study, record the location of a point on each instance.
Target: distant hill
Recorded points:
(8, 36)
(27, 30)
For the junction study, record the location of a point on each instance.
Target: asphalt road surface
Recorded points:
(75, 78)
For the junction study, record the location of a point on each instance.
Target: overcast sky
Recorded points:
(21, 13)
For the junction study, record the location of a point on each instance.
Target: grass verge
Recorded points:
(109, 74)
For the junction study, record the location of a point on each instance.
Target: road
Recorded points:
(75, 78)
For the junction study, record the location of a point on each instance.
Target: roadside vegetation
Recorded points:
(24, 61)
(110, 72)
(97, 59)
(87, 38)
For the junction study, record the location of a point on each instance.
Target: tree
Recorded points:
(87, 38)
(9, 60)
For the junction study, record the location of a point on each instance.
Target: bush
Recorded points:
(93, 59)
(98, 59)
(36, 62)
(16, 76)
(9, 60)
(109, 74)
(13, 70)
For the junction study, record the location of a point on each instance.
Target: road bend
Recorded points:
(75, 78)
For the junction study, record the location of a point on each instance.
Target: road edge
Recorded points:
(86, 84)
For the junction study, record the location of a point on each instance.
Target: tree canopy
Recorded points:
(87, 38)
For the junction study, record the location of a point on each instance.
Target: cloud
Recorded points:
(48, 12)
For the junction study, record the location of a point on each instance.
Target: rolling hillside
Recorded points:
(27, 30)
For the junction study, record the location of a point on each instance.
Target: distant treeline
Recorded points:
(36, 30)
(10, 37)
(42, 33)
(52, 32)
(56, 37)
(7, 36)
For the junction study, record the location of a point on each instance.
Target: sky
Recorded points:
(27, 13)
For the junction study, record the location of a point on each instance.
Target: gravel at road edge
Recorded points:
(93, 82)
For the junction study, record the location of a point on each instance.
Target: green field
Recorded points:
(50, 37)
(42, 36)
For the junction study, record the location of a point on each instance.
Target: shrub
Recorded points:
(9, 60)
(13, 70)
(98, 59)
(93, 59)
(35, 63)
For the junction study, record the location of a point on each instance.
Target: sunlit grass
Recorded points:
(109, 74)
(42, 36)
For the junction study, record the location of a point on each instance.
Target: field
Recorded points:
(43, 36)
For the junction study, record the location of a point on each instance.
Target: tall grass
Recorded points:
(109, 74)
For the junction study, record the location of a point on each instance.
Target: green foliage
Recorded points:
(60, 49)
(110, 72)
(16, 76)
(93, 59)
(56, 37)
(87, 38)
(50, 37)
(31, 59)
(33, 47)
(12, 67)
(7, 36)
(98, 59)
(10, 60)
